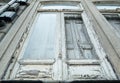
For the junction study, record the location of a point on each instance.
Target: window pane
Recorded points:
(42, 40)
(60, 5)
(114, 20)
(77, 40)
(108, 7)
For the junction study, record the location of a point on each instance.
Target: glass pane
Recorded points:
(77, 40)
(108, 7)
(114, 20)
(41, 44)
(60, 5)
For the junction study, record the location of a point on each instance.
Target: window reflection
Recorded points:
(42, 41)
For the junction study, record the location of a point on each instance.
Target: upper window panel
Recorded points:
(41, 44)
(107, 5)
(60, 5)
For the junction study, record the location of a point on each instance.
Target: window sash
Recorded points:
(41, 43)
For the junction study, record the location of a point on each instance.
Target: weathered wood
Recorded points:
(10, 35)
(107, 37)
(61, 66)
(16, 54)
(56, 10)
(98, 47)
(36, 62)
(109, 11)
(64, 57)
(83, 62)
(57, 66)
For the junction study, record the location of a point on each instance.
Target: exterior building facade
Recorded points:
(60, 40)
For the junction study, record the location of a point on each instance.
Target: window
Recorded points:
(110, 10)
(59, 47)
(107, 5)
(114, 20)
(42, 42)
(77, 40)
(60, 5)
